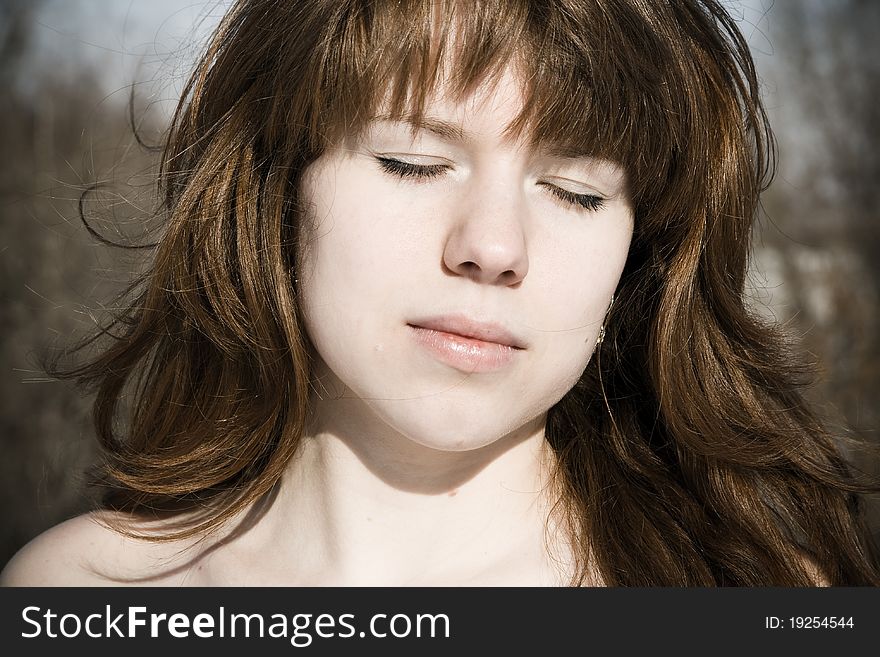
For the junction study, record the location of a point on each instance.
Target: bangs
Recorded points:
(589, 82)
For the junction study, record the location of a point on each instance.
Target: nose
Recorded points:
(487, 241)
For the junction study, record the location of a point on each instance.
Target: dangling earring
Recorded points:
(601, 336)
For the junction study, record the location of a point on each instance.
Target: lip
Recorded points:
(466, 344)
(465, 327)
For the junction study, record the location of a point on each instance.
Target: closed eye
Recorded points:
(587, 201)
(408, 170)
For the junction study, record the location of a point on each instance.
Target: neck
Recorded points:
(361, 504)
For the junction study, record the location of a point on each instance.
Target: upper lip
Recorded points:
(471, 328)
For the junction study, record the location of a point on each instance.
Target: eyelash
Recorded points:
(428, 171)
(407, 170)
(586, 201)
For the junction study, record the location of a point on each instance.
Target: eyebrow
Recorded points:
(564, 152)
(444, 129)
(454, 132)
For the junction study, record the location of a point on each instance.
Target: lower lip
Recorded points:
(466, 354)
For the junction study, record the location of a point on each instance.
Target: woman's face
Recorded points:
(455, 281)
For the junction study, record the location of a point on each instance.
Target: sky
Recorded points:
(153, 43)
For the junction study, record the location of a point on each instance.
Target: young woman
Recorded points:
(452, 294)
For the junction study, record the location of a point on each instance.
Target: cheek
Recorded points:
(342, 243)
(561, 360)
(577, 277)
(359, 259)
(578, 284)
(365, 237)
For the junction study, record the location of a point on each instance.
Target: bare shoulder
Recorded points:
(60, 556)
(86, 551)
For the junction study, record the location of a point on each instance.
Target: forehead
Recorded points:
(492, 107)
(497, 107)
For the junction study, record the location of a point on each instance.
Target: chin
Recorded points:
(446, 432)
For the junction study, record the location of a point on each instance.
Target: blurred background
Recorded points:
(69, 69)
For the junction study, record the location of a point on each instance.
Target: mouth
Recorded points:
(464, 327)
(467, 345)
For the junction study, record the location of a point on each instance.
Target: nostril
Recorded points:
(471, 268)
(508, 278)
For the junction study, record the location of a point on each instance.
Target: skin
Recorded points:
(415, 472)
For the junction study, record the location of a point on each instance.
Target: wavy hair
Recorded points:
(686, 453)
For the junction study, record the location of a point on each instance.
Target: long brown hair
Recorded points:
(686, 454)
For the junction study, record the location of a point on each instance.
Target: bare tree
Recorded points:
(823, 208)
(58, 135)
